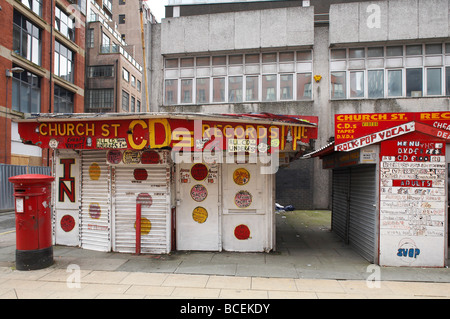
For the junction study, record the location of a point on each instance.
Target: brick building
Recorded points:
(43, 66)
(113, 75)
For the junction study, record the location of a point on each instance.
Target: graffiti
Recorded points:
(407, 250)
(67, 177)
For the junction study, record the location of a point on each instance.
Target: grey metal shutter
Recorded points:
(340, 202)
(363, 211)
(126, 191)
(95, 202)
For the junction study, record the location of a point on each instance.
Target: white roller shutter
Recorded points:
(156, 238)
(96, 202)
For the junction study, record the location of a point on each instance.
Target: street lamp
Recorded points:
(9, 74)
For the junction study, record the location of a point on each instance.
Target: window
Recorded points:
(251, 85)
(357, 84)
(434, 81)
(121, 19)
(26, 39)
(376, 84)
(64, 65)
(90, 38)
(269, 87)
(125, 101)
(414, 49)
(122, 2)
(133, 104)
(133, 81)
(125, 75)
(447, 81)
(304, 86)
(412, 70)
(101, 71)
(286, 86)
(138, 85)
(138, 106)
(33, 5)
(394, 51)
(235, 89)
(63, 100)
(235, 78)
(186, 91)
(394, 83)
(202, 90)
(26, 92)
(414, 82)
(100, 101)
(338, 54)
(171, 92)
(64, 24)
(375, 52)
(338, 87)
(219, 90)
(357, 54)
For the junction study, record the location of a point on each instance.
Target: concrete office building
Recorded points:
(313, 57)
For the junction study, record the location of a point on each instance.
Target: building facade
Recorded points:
(302, 57)
(43, 54)
(113, 75)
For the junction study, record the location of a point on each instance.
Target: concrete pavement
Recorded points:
(310, 262)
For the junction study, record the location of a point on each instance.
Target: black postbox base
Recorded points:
(34, 259)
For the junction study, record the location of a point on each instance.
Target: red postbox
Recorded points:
(34, 248)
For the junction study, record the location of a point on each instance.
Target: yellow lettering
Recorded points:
(152, 132)
(262, 131)
(130, 135)
(52, 129)
(105, 130)
(77, 129)
(91, 129)
(205, 131)
(61, 132)
(274, 132)
(250, 132)
(70, 128)
(228, 131)
(116, 126)
(41, 129)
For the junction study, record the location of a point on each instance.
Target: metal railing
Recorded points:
(7, 188)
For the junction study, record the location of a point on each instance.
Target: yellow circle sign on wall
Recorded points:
(146, 226)
(200, 215)
(94, 172)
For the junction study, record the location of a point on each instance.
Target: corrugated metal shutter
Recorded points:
(362, 222)
(340, 202)
(127, 189)
(95, 202)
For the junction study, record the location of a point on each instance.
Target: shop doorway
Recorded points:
(149, 186)
(197, 219)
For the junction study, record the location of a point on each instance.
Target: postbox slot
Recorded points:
(21, 190)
